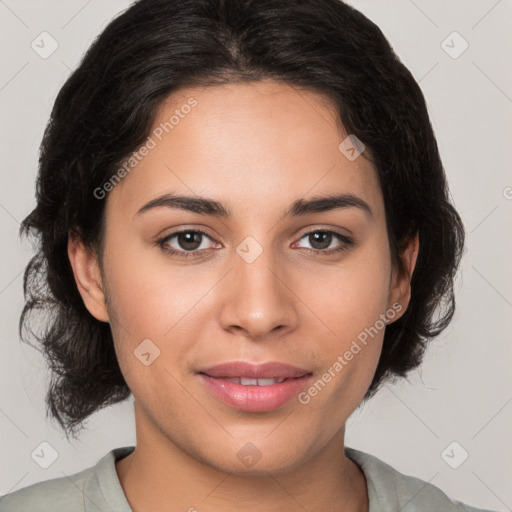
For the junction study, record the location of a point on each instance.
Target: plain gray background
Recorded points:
(462, 394)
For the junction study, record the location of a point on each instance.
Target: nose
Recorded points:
(258, 299)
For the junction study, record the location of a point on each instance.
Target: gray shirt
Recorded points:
(97, 489)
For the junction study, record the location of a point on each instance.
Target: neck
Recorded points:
(161, 476)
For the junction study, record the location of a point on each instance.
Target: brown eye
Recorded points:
(185, 243)
(321, 241)
(189, 240)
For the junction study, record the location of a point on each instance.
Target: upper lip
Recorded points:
(244, 369)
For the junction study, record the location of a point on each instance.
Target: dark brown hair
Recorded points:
(105, 111)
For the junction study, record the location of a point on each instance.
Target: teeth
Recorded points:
(248, 382)
(254, 382)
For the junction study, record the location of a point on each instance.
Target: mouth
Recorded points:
(245, 370)
(252, 387)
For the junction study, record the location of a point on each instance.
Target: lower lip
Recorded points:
(254, 398)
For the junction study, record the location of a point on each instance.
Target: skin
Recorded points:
(256, 148)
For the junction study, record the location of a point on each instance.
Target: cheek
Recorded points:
(351, 303)
(350, 296)
(350, 299)
(149, 294)
(151, 307)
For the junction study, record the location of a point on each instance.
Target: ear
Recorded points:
(400, 288)
(89, 282)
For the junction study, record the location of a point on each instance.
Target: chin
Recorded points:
(251, 460)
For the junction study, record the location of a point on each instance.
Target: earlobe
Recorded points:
(89, 282)
(400, 291)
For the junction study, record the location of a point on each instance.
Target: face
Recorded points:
(264, 282)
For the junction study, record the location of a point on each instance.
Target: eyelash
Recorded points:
(347, 242)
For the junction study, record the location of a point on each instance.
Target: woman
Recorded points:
(244, 222)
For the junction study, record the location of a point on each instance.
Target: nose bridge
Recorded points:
(258, 300)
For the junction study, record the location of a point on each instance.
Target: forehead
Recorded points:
(255, 145)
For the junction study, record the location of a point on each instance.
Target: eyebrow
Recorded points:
(205, 206)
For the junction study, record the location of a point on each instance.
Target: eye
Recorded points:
(187, 244)
(321, 241)
(190, 242)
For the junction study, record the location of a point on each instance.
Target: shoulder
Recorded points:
(390, 490)
(82, 491)
(58, 494)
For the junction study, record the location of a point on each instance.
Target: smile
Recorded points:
(258, 395)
